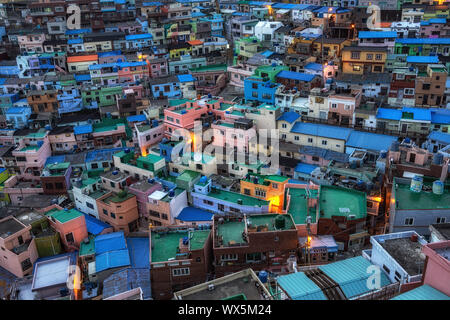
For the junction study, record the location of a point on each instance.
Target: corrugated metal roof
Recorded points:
(439, 136)
(110, 242)
(424, 292)
(296, 75)
(305, 168)
(289, 116)
(139, 250)
(128, 279)
(84, 129)
(112, 259)
(299, 287)
(137, 118)
(423, 40)
(352, 274)
(321, 130)
(377, 34)
(370, 141)
(422, 59)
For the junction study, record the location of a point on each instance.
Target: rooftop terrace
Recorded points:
(234, 197)
(405, 199)
(268, 222)
(407, 253)
(298, 206)
(343, 202)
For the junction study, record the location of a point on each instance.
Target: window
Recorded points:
(355, 55)
(26, 264)
(180, 272)
(378, 56)
(69, 237)
(369, 56)
(356, 68)
(324, 142)
(314, 158)
(105, 211)
(409, 221)
(210, 203)
(386, 269)
(310, 140)
(296, 138)
(440, 220)
(247, 191)
(377, 68)
(164, 216)
(333, 105)
(113, 215)
(89, 205)
(94, 166)
(284, 125)
(229, 257)
(105, 164)
(253, 257)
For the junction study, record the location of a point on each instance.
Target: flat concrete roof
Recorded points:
(9, 226)
(407, 253)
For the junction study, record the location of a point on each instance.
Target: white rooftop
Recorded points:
(157, 195)
(50, 273)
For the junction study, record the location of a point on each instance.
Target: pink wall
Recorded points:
(437, 272)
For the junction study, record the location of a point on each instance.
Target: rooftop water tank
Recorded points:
(185, 240)
(438, 187)
(115, 172)
(416, 184)
(280, 222)
(263, 276)
(127, 150)
(155, 123)
(203, 179)
(171, 193)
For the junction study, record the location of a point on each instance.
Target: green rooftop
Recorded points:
(117, 198)
(165, 246)
(198, 239)
(231, 231)
(89, 181)
(298, 206)
(29, 148)
(210, 68)
(150, 158)
(269, 221)
(177, 191)
(63, 216)
(87, 248)
(226, 124)
(177, 102)
(343, 202)
(405, 199)
(188, 175)
(234, 197)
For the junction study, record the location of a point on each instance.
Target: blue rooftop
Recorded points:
(314, 66)
(82, 77)
(194, 214)
(351, 275)
(296, 75)
(110, 242)
(95, 226)
(434, 20)
(424, 292)
(102, 154)
(299, 287)
(439, 136)
(84, 129)
(109, 53)
(139, 251)
(17, 110)
(305, 168)
(78, 31)
(185, 78)
(290, 117)
(75, 41)
(55, 159)
(321, 130)
(422, 59)
(139, 36)
(389, 114)
(137, 118)
(423, 40)
(370, 141)
(377, 34)
(440, 116)
(112, 259)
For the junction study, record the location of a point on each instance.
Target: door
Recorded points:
(404, 128)
(412, 157)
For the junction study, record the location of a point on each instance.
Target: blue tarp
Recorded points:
(139, 251)
(295, 76)
(95, 226)
(112, 259)
(290, 117)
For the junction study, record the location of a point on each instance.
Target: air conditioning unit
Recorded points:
(351, 216)
(211, 287)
